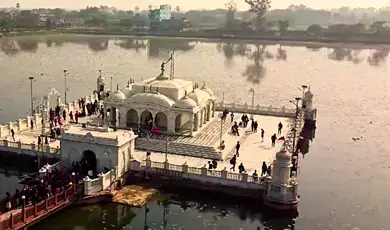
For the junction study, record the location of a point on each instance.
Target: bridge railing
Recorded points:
(29, 149)
(202, 174)
(256, 109)
(25, 123)
(32, 212)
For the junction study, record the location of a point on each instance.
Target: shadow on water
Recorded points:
(185, 211)
(28, 45)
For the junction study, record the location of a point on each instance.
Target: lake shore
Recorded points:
(368, 39)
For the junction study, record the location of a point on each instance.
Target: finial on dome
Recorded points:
(185, 92)
(117, 87)
(128, 83)
(100, 72)
(204, 85)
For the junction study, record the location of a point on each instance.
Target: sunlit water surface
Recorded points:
(343, 182)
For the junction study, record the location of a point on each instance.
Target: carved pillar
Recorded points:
(192, 124)
(117, 117)
(201, 119)
(209, 112)
(171, 123)
(204, 115)
(58, 100)
(196, 122)
(213, 114)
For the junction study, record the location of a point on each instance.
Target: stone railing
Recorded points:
(256, 109)
(203, 175)
(24, 124)
(29, 149)
(102, 182)
(294, 130)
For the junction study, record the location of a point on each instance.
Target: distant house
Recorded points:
(69, 22)
(45, 18)
(160, 14)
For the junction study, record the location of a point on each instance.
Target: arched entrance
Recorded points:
(88, 162)
(161, 121)
(178, 123)
(145, 119)
(132, 119)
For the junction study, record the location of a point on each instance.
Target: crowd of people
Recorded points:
(243, 123)
(37, 189)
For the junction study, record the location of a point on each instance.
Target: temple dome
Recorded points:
(186, 103)
(154, 98)
(117, 96)
(199, 96)
(207, 90)
(283, 155)
(127, 90)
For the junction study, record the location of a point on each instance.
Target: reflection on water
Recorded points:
(345, 54)
(182, 214)
(132, 44)
(162, 47)
(378, 57)
(98, 44)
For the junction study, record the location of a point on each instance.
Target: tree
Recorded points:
(283, 26)
(231, 7)
(48, 23)
(260, 7)
(378, 26)
(314, 29)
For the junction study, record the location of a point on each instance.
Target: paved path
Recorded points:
(253, 152)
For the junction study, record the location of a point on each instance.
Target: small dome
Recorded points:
(207, 90)
(199, 96)
(117, 96)
(127, 91)
(186, 103)
(154, 98)
(283, 155)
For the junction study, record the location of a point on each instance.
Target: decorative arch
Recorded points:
(47, 98)
(178, 123)
(132, 118)
(146, 115)
(161, 121)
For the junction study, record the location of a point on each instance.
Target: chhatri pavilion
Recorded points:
(174, 106)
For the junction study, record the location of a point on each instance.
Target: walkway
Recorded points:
(253, 152)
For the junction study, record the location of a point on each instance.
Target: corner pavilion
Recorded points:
(174, 106)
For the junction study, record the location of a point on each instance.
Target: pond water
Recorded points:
(342, 181)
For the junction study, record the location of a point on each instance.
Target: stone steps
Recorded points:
(185, 149)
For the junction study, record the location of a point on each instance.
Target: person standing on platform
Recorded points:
(13, 134)
(262, 135)
(264, 169)
(238, 149)
(64, 114)
(280, 127)
(273, 140)
(32, 124)
(233, 162)
(241, 168)
(76, 117)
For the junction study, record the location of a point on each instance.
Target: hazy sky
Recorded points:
(187, 4)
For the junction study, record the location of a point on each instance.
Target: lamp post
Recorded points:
(220, 134)
(297, 99)
(304, 87)
(166, 149)
(24, 205)
(253, 100)
(111, 83)
(66, 73)
(31, 95)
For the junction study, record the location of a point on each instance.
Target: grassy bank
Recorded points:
(293, 36)
(335, 38)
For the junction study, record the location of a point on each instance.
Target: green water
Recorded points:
(189, 216)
